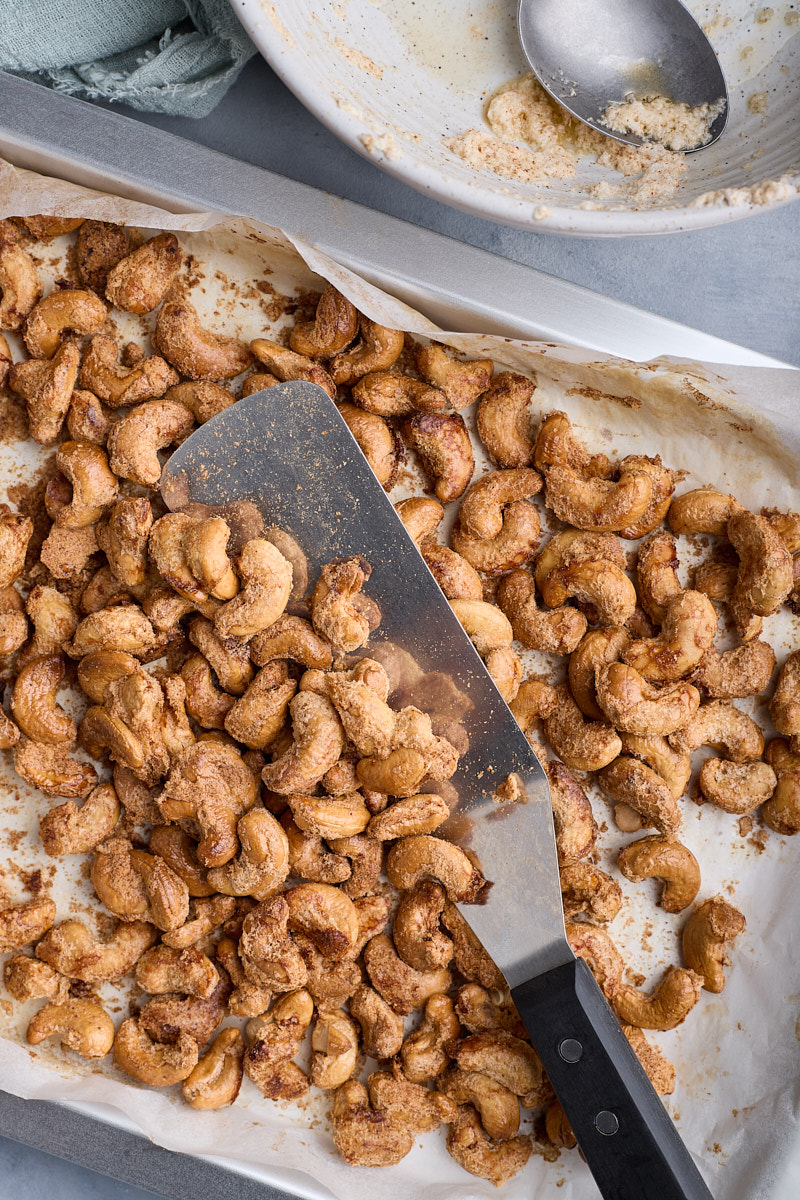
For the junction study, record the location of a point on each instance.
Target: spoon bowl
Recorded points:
(588, 54)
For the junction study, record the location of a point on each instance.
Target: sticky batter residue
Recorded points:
(671, 123)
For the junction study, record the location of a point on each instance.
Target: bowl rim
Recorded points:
(503, 208)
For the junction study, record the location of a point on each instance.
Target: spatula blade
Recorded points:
(289, 452)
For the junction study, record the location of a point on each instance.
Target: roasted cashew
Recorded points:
(534, 700)
(587, 889)
(689, 626)
(168, 548)
(418, 1108)
(744, 671)
(68, 309)
(402, 986)
(390, 394)
(266, 945)
(88, 420)
(158, 1064)
(82, 1025)
(555, 632)
(497, 1106)
(21, 924)
(364, 1137)
(120, 386)
(34, 706)
(630, 782)
(461, 381)
(412, 859)
(377, 349)
(705, 938)
(717, 580)
(556, 445)
(290, 637)
(266, 584)
(422, 1054)
(99, 246)
(215, 1081)
(262, 863)
(471, 1148)
(135, 701)
(30, 979)
(738, 788)
(210, 785)
(497, 528)
(247, 999)
(782, 811)
(167, 1014)
(583, 745)
(663, 481)
(381, 1026)
(52, 770)
(573, 546)
(178, 850)
(656, 572)
(44, 227)
(667, 859)
(334, 327)
(205, 916)
(47, 386)
(134, 440)
(285, 364)
(330, 816)
(325, 915)
(129, 528)
(165, 969)
(784, 706)
(268, 1058)
(479, 1012)
(635, 706)
(334, 1046)
(194, 351)
(310, 858)
(725, 728)
(673, 766)
(54, 621)
(93, 486)
(469, 956)
(443, 444)
(576, 829)
(318, 744)
(457, 578)
(506, 1059)
(335, 614)
(702, 510)
(413, 815)
(13, 624)
(505, 423)
(506, 672)
(765, 576)
(377, 441)
(594, 582)
(416, 934)
(19, 282)
(259, 716)
(71, 949)
(484, 624)
(138, 886)
(598, 504)
(598, 647)
(366, 856)
(67, 829)
(140, 281)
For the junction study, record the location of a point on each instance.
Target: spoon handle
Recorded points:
(629, 1141)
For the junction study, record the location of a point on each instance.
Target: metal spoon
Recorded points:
(588, 54)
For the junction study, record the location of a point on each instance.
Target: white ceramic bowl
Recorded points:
(394, 78)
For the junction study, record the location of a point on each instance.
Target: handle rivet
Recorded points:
(606, 1123)
(570, 1050)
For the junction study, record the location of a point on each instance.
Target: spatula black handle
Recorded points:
(627, 1137)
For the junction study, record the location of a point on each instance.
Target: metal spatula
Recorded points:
(289, 452)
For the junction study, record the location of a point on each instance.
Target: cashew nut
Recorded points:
(334, 327)
(576, 829)
(43, 228)
(480, 1012)
(258, 717)
(139, 282)
(310, 858)
(656, 572)
(377, 349)
(135, 885)
(423, 1055)
(381, 1026)
(23, 923)
(13, 625)
(765, 576)
(47, 386)
(20, 288)
(29, 979)
(215, 1081)
(484, 624)
(390, 394)
(82, 1024)
(736, 787)
(598, 504)
(505, 423)
(68, 309)
(784, 706)
(599, 647)
(636, 706)
(134, 440)
(93, 486)
(498, 1107)
(663, 481)
(52, 770)
(630, 782)
(443, 444)
(457, 578)
(335, 614)
(705, 938)
(417, 937)
(587, 889)
(158, 1064)
(318, 744)
(165, 969)
(782, 811)
(71, 949)
(673, 766)
(67, 829)
(364, 1137)
(417, 1107)
(556, 445)
(412, 859)
(413, 815)
(267, 1060)
(262, 863)
(702, 510)
(583, 745)
(667, 859)
(725, 728)
(403, 987)
(120, 386)
(556, 632)
(210, 785)
(34, 706)
(506, 1059)
(469, 956)
(286, 364)
(266, 584)
(99, 246)
(497, 528)
(334, 1046)
(744, 671)
(194, 351)
(378, 442)
(461, 381)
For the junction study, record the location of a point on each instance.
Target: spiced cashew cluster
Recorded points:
(262, 792)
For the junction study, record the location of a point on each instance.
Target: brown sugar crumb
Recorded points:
(745, 825)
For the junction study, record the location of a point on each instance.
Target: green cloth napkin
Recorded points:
(169, 56)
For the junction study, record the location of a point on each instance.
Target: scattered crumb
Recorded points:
(382, 143)
(757, 102)
(767, 192)
(358, 59)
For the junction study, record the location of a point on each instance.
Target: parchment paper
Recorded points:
(737, 1056)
